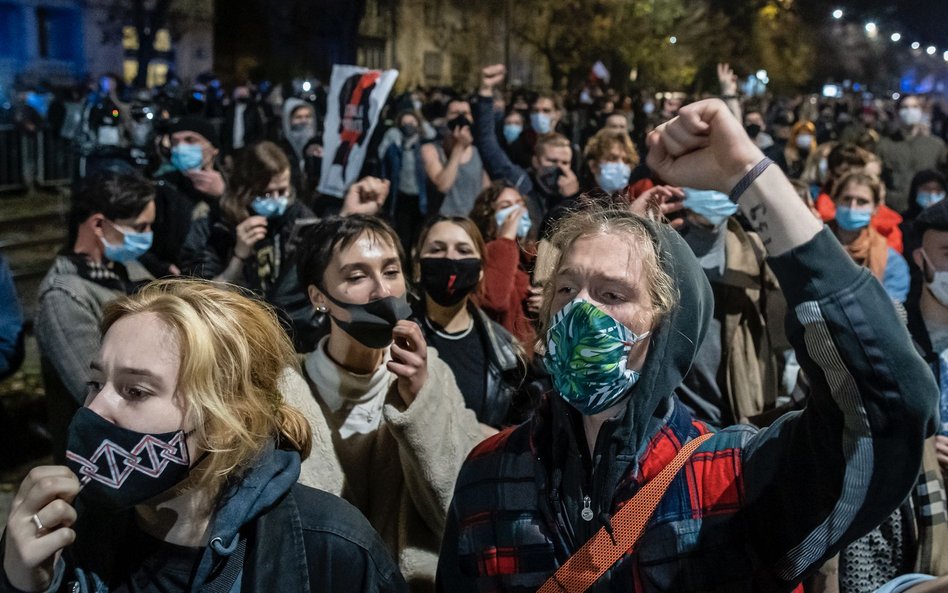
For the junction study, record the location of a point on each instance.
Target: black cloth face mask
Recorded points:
(371, 324)
(120, 468)
(447, 281)
(548, 178)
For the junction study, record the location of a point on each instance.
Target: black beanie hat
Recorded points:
(935, 217)
(199, 125)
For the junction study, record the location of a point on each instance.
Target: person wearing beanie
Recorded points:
(187, 193)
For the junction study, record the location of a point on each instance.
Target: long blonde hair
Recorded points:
(233, 354)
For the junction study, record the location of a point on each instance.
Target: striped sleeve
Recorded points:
(818, 479)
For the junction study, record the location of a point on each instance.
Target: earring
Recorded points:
(322, 309)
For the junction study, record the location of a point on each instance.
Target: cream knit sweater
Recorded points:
(398, 466)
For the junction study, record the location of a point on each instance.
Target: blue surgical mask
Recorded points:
(541, 123)
(587, 353)
(134, 245)
(851, 219)
(512, 132)
(525, 223)
(714, 206)
(270, 207)
(613, 176)
(926, 199)
(185, 157)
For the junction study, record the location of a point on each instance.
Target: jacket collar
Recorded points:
(502, 351)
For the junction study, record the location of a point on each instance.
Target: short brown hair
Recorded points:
(320, 241)
(553, 140)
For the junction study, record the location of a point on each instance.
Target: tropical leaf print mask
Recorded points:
(586, 354)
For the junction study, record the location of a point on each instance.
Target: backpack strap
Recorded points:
(597, 555)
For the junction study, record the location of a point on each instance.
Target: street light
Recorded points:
(930, 50)
(945, 55)
(673, 40)
(871, 29)
(896, 37)
(837, 14)
(916, 45)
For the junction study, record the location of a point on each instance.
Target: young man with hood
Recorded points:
(551, 179)
(302, 146)
(626, 308)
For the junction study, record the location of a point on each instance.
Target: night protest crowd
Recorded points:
(543, 342)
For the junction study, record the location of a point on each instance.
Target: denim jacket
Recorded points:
(295, 538)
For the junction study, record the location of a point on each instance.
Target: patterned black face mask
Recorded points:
(120, 468)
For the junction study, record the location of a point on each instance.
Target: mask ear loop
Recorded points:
(928, 266)
(636, 339)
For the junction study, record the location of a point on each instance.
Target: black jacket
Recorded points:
(270, 272)
(254, 127)
(506, 402)
(177, 205)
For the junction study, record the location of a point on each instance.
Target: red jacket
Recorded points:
(505, 289)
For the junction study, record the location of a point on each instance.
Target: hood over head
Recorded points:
(289, 106)
(268, 479)
(671, 351)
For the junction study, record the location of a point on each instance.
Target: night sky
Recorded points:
(925, 21)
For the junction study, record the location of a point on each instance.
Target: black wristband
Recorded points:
(729, 97)
(748, 179)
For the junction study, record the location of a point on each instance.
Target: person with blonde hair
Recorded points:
(800, 145)
(614, 485)
(857, 198)
(611, 156)
(182, 466)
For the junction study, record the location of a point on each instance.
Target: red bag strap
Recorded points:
(597, 555)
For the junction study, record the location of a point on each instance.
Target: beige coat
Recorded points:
(410, 464)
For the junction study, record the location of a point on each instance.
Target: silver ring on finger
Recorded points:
(37, 522)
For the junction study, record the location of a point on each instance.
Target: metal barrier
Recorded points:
(44, 159)
(56, 162)
(13, 149)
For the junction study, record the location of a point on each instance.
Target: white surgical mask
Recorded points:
(939, 284)
(912, 116)
(804, 141)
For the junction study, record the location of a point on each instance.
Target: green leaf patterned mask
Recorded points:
(586, 354)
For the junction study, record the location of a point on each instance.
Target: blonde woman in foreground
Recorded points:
(182, 467)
